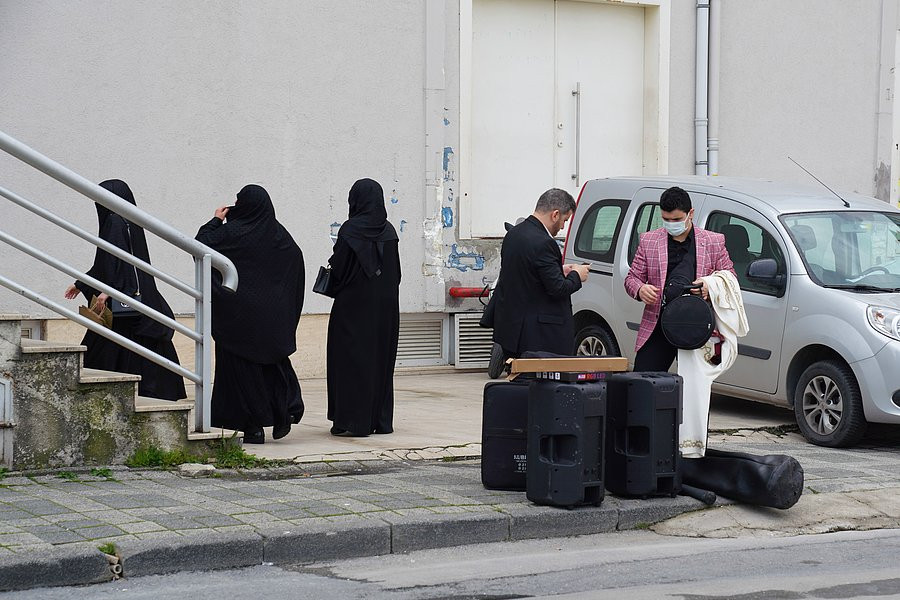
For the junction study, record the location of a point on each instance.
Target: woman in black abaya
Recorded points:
(365, 318)
(255, 329)
(156, 381)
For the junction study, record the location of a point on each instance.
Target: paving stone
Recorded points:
(95, 533)
(141, 527)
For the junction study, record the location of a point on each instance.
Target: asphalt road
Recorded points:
(634, 565)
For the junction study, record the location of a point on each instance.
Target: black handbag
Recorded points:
(123, 309)
(323, 284)
(687, 321)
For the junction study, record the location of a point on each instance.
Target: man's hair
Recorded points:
(675, 198)
(555, 199)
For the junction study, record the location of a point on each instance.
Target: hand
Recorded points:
(582, 271)
(101, 304)
(704, 291)
(222, 212)
(566, 270)
(649, 294)
(71, 292)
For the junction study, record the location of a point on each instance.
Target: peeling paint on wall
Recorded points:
(463, 260)
(447, 216)
(446, 121)
(394, 198)
(402, 225)
(448, 152)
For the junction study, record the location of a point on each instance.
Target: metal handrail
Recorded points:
(129, 211)
(205, 259)
(100, 243)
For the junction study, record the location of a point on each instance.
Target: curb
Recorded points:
(83, 563)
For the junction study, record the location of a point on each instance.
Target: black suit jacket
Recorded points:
(532, 308)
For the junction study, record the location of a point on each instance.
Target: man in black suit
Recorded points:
(532, 309)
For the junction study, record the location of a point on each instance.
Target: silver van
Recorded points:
(820, 276)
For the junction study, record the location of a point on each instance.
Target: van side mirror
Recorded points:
(765, 270)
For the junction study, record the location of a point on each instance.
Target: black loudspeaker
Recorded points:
(504, 427)
(566, 429)
(644, 414)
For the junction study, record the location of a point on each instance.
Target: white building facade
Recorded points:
(464, 110)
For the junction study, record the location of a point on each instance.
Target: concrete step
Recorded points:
(43, 346)
(215, 433)
(99, 376)
(144, 404)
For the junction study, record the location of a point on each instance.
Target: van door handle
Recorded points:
(576, 176)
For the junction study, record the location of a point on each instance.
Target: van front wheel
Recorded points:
(828, 405)
(596, 340)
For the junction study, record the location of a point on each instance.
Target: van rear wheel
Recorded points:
(828, 405)
(596, 340)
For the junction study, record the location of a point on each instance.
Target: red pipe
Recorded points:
(469, 292)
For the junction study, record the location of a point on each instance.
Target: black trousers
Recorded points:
(657, 354)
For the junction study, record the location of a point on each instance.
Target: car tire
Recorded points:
(596, 340)
(497, 361)
(828, 405)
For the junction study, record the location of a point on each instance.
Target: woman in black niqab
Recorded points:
(156, 381)
(255, 328)
(365, 319)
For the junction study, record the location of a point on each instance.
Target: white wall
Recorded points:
(189, 101)
(801, 78)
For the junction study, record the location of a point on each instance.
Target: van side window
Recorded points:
(648, 218)
(746, 241)
(597, 234)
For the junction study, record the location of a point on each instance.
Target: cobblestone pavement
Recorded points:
(40, 511)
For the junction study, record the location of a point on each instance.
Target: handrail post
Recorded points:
(203, 348)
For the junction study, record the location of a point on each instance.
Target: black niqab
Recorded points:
(367, 228)
(259, 321)
(121, 275)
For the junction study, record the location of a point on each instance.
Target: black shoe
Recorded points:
(254, 435)
(344, 433)
(279, 431)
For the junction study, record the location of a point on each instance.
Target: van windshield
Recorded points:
(853, 250)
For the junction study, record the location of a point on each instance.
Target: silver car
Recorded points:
(820, 276)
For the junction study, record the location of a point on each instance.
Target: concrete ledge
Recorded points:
(99, 376)
(325, 540)
(530, 522)
(634, 513)
(39, 346)
(76, 564)
(420, 532)
(206, 551)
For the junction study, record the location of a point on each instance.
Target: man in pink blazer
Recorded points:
(668, 259)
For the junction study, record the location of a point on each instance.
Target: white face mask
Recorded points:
(675, 228)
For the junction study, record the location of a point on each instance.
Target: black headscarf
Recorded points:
(367, 228)
(259, 321)
(121, 275)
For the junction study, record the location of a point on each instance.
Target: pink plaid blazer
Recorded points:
(652, 260)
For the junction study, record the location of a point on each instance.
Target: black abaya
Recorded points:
(255, 328)
(365, 319)
(156, 381)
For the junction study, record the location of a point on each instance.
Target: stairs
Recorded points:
(60, 414)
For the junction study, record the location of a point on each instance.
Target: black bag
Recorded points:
(323, 284)
(687, 321)
(122, 309)
(774, 480)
